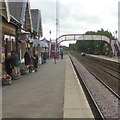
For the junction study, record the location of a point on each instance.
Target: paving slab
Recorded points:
(37, 95)
(52, 92)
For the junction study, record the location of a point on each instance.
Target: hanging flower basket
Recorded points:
(6, 79)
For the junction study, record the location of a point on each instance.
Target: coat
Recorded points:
(27, 58)
(55, 56)
(35, 61)
(14, 60)
(8, 65)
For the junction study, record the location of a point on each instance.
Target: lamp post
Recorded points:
(50, 45)
(116, 34)
(57, 23)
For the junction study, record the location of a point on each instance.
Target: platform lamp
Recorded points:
(116, 34)
(50, 44)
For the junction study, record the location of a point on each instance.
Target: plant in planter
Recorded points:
(24, 71)
(15, 75)
(6, 79)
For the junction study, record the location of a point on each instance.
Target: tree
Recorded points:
(101, 32)
(93, 47)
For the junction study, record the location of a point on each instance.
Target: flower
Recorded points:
(3, 77)
(8, 76)
(13, 73)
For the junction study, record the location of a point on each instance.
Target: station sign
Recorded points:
(24, 41)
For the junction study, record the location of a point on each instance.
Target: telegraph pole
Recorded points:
(57, 23)
(50, 45)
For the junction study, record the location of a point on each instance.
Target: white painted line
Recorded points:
(75, 74)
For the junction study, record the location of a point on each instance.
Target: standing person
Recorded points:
(36, 60)
(27, 58)
(61, 53)
(31, 66)
(55, 57)
(44, 57)
(14, 60)
(8, 64)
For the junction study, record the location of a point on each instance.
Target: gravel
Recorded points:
(107, 102)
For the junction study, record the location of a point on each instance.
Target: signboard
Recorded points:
(24, 41)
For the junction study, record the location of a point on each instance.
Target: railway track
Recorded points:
(105, 74)
(113, 71)
(94, 107)
(102, 108)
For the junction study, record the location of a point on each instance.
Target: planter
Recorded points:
(6, 80)
(15, 76)
(24, 71)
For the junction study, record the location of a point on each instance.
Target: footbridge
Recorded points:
(115, 45)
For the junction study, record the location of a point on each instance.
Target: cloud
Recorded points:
(86, 15)
(78, 16)
(47, 10)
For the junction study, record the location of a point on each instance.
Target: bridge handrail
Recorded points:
(82, 37)
(69, 37)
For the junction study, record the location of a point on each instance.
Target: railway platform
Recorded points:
(53, 91)
(75, 102)
(112, 59)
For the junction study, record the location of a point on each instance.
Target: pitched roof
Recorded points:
(21, 11)
(17, 10)
(14, 21)
(5, 10)
(6, 13)
(36, 20)
(35, 13)
(43, 44)
(44, 39)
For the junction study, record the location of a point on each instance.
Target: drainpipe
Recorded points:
(17, 40)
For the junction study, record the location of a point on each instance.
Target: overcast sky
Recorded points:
(77, 16)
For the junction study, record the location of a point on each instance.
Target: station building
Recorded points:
(9, 27)
(18, 30)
